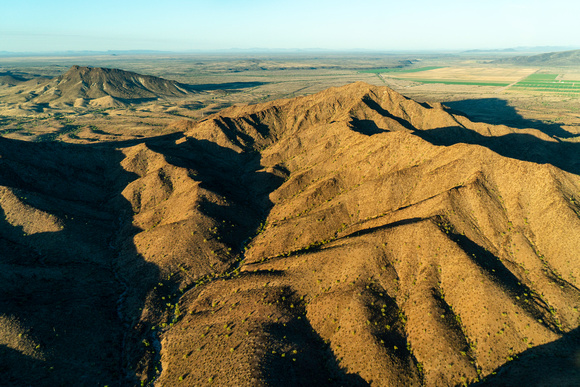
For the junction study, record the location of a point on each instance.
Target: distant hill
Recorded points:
(508, 50)
(525, 50)
(93, 83)
(564, 58)
(8, 78)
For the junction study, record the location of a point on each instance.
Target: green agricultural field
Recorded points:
(547, 83)
(541, 78)
(463, 75)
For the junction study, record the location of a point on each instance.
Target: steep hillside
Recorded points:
(564, 58)
(57, 281)
(11, 79)
(80, 86)
(350, 237)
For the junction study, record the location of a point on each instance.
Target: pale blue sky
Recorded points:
(43, 25)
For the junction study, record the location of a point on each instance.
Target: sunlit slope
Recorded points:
(407, 262)
(350, 237)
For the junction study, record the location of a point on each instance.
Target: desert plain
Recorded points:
(290, 219)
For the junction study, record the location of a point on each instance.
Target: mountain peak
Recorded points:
(357, 106)
(97, 82)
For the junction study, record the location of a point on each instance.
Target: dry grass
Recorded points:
(484, 74)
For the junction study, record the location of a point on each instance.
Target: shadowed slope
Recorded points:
(497, 111)
(57, 251)
(553, 364)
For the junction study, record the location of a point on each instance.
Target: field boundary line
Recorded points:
(513, 83)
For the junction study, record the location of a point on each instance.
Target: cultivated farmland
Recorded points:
(467, 75)
(548, 83)
(400, 70)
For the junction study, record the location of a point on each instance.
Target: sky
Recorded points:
(181, 25)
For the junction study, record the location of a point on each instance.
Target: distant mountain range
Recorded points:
(82, 53)
(258, 50)
(565, 58)
(537, 49)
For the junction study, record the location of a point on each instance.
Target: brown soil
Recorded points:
(350, 237)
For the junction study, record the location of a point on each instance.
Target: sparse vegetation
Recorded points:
(275, 242)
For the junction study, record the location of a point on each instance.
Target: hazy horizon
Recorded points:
(60, 25)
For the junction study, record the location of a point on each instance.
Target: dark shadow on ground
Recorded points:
(366, 127)
(16, 368)
(388, 226)
(553, 364)
(564, 155)
(67, 287)
(235, 176)
(385, 113)
(11, 79)
(495, 268)
(313, 363)
(497, 111)
(163, 139)
(223, 86)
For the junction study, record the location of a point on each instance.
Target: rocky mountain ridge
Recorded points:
(349, 237)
